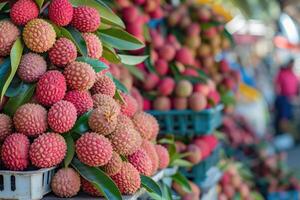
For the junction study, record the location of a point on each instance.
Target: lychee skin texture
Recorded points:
(93, 149)
(125, 140)
(89, 188)
(184, 56)
(151, 152)
(38, 35)
(114, 165)
(128, 179)
(154, 127)
(62, 116)
(197, 101)
(86, 19)
(79, 76)
(104, 85)
(195, 153)
(14, 152)
(151, 80)
(63, 52)
(167, 52)
(60, 12)
(94, 45)
(32, 67)
(184, 88)
(104, 100)
(163, 156)
(161, 67)
(130, 106)
(82, 100)
(103, 119)
(31, 119)
(65, 183)
(166, 86)
(162, 103)
(48, 150)
(51, 88)
(8, 35)
(23, 11)
(6, 126)
(142, 124)
(141, 161)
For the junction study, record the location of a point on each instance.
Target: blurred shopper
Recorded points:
(286, 87)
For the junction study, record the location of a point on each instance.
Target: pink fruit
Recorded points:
(23, 11)
(166, 86)
(193, 29)
(82, 100)
(214, 98)
(202, 88)
(162, 103)
(151, 80)
(184, 56)
(163, 156)
(167, 52)
(141, 161)
(180, 103)
(191, 72)
(60, 12)
(104, 85)
(130, 14)
(197, 101)
(161, 67)
(194, 154)
(86, 19)
(130, 106)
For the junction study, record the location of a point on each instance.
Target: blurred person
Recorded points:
(286, 88)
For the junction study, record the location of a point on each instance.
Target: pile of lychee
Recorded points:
(121, 137)
(198, 149)
(193, 195)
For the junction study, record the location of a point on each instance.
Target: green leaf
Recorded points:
(70, 149)
(167, 193)
(4, 71)
(15, 87)
(23, 97)
(120, 85)
(2, 5)
(150, 185)
(76, 37)
(110, 54)
(120, 39)
(81, 126)
(181, 163)
(136, 72)
(99, 179)
(97, 65)
(166, 141)
(107, 15)
(39, 3)
(183, 181)
(119, 97)
(132, 60)
(15, 57)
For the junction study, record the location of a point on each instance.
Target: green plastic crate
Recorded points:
(188, 122)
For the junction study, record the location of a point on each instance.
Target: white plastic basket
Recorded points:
(25, 185)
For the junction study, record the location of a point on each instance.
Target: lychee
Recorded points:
(184, 88)
(23, 11)
(8, 35)
(167, 52)
(163, 156)
(141, 161)
(48, 150)
(62, 116)
(193, 29)
(86, 19)
(197, 101)
(151, 151)
(214, 98)
(114, 165)
(180, 103)
(125, 140)
(103, 119)
(166, 86)
(38, 35)
(162, 103)
(202, 88)
(161, 67)
(94, 45)
(130, 14)
(184, 56)
(89, 188)
(63, 52)
(130, 106)
(31, 119)
(151, 80)
(104, 85)
(154, 127)
(65, 183)
(104, 100)
(190, 72)
(79, 75)
(194, 154)
(6, 126)
(60, 12)
(51, 88)
(135, 93)
(14, 152)
(32, 67)
(82, 100)
(93, 149)
(142, 124)
(124, 121)
(128, 179)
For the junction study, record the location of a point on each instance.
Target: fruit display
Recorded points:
(63, 106)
